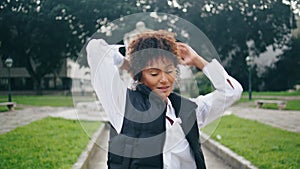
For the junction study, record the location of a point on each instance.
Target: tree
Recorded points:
(242, 28)
(39, 35)
(285, 72)
(237, 28)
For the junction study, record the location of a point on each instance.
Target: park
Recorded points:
(38, 135)
(50, 116)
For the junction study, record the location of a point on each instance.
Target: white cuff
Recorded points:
(118, 59)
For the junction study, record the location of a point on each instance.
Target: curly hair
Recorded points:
(150, 46)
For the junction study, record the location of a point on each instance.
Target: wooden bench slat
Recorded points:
(7, 103)
(10, 105)
(271, 101)
(280, 103)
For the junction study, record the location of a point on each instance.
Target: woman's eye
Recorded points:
(169, 71)
(153, 73)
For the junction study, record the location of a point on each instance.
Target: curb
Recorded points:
(83, 160)
(231, 158)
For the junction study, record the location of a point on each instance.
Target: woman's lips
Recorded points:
(164, 88)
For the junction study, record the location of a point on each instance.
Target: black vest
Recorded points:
(141, 141)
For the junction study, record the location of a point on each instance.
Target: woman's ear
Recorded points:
(138, 76)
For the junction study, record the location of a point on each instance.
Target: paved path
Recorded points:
(288, 120)
(98, 159)
(13, 119)
(284, 119)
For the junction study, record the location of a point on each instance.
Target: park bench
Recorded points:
(280, 103)
(10, 105)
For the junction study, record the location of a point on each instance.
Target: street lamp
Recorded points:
(9, 63)
(249, 61)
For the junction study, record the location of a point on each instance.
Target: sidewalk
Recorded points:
(98, 156)
(288, 120)
(284, 119)
(11, 120)
(86, 111)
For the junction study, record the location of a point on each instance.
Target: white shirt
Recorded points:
(111, 91)
(177, 152)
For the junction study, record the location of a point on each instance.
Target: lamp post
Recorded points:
(249, 61)
(9, 63)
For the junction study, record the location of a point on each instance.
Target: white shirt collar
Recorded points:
(170, 110)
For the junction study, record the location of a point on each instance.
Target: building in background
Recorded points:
(70, 75)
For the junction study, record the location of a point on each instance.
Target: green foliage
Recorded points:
(230, 25)
(266, 147)
(48, 143)
(203, 84)
(285, 74)
(41, 34)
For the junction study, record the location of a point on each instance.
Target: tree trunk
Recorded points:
(37, 86)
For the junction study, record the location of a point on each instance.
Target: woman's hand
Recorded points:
(126, 64)
(190, 57)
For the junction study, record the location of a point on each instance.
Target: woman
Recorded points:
(153, 127)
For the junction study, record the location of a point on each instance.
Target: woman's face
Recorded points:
(159, 76)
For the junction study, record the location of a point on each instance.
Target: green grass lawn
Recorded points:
(3, 109)
(47, 143)
(265, 146)
(46, 100)
(272, 93)
(33, 100)
(291, 104)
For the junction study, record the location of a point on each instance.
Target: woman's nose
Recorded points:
(164, 77)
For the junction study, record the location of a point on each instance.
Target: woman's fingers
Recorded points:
(185, 53)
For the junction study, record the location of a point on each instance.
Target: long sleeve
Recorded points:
(227, 90)
(106, 81)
